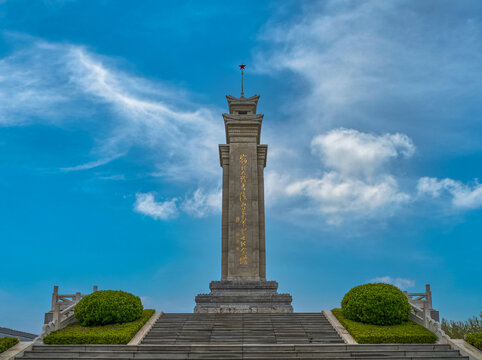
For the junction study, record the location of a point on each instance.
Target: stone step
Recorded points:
(234, 354)
(242, 351)
(239, 347)
(269, 328)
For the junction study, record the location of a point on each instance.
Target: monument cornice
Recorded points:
(243, 118)
(243, 127)
(224, 154)
(262, 154)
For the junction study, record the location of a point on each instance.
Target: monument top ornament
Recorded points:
(243, 286)
(242, 67)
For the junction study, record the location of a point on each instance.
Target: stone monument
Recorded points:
(243, 287)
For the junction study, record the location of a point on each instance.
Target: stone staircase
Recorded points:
(283, 328)
(242, 336)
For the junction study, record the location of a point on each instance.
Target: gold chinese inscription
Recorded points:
(242, 220)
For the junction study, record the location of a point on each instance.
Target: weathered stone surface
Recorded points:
(243, 297)
(243, 159)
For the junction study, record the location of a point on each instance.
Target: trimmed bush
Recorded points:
(406, 333)
(7, 342)
(103, 334)
(378, 304)
(108, 307)
(474, 339)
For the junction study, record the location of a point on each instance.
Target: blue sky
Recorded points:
(110, 117)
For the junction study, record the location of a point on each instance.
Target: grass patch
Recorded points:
(405, 333)
(7, 342)
(474, 339)
(102, 334)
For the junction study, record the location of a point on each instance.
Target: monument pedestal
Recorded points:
(248, 296)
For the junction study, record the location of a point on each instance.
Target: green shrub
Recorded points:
(458, 329)
(108, 307)
(406, 333)
(103, 334)
(378, 304)
(475, 339)
(7, 342)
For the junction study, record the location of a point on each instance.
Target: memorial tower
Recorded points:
(243, 286)
(243, 159)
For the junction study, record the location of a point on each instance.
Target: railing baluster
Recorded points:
(57, 316)
(55, 296)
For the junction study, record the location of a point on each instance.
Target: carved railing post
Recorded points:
(55, 296)
(57, 315)
(429, 296)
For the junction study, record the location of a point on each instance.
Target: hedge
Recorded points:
(474, 339)
(7, 342)
(378, 304)
(406, 333)
(108, 307)
(101, 334)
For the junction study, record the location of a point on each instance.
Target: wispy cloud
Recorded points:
(200, 204)
(401, 66)
(91, 164)
(40, 79)
(33, 86)
(161, 210)
(462, 196)
(63, 84)
(203, 203)
(400, 283)
(151, 118)
(372, 67)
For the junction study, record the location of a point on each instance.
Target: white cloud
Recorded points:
(356, 180)
(463, 196)
(400, 283)
(275, 184)
(145, 204)
(335, 193)
(202, 203)
(354, 153)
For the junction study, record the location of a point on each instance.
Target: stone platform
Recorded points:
(243, 297)
(243, 336)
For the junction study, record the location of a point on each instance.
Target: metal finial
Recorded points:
(241, 67)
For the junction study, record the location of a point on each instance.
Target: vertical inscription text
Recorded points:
(241, 246)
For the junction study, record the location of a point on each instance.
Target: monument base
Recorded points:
(243, 297)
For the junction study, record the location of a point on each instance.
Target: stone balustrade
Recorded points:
(62, 312)
(423, 314)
